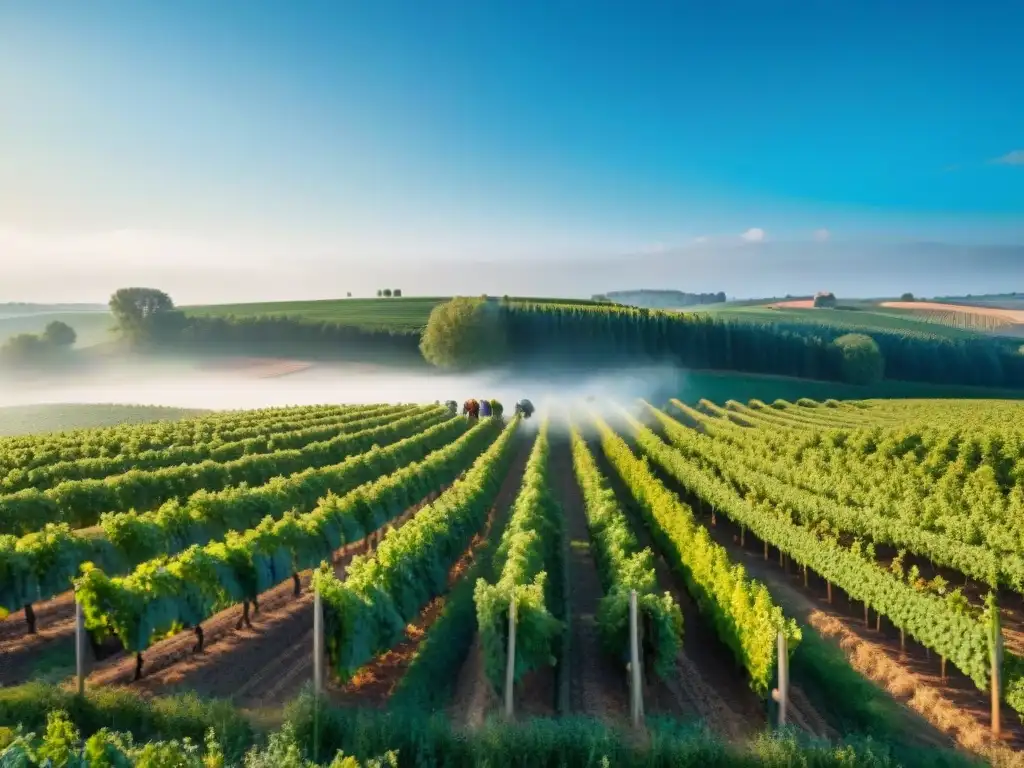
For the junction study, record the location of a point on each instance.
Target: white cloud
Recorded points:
(753, 235)
(1016, 157)
(821, 235)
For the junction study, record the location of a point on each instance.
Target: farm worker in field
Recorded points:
(485, 408)
(471, 408)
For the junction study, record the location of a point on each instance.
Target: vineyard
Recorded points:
(619, 562)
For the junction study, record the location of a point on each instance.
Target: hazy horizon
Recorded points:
(742, 271)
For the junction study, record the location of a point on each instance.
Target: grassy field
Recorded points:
(404, 314)
(27, 419)
(864, 320)
(92, 327)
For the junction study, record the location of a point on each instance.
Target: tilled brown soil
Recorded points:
(55, 635)
(598, 687)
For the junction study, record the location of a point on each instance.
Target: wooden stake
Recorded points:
(997, 674)
(510, 664)
(805, 577)
(318, 644)
(867, 618)
(766, 550)
(80, 647)
(943, 670)
(878, 622)
(743, 536)
(829, 584)
(781, 694)
(903, 642)
(636, 691)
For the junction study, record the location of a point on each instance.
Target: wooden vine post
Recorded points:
(80, 647)
(318, 644)
(636, 702)
(996, 653)
(510, 663)
(781, 693)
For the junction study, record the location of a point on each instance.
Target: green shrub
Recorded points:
(861, 360)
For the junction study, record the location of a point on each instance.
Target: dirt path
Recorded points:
(20, 653)
(597, 685)
(708, 685)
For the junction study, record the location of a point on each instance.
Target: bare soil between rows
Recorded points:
(597, 685)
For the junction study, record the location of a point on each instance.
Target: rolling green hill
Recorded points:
(865, 320)
(403, 314)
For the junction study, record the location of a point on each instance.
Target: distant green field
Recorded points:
(92, 327)
(27, 419)
(404, 314)
(864, 320)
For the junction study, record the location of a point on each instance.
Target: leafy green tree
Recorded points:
(387, 293)
(464, 333)
(380, 293)
(907, 297)
(60, 334)
(139, 311)
(861, 360)
(397, 293)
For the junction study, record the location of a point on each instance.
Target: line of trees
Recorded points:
(32, 348)
(387, 293)
(470, 332)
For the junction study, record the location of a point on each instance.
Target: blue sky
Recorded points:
(147, 139)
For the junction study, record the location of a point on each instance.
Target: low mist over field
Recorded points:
(257, 385)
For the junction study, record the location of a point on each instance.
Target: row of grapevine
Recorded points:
(927, 618)
(741, 609)
(186, 589)
(48, 475)
(81, 503)
(42, 565)
(382, 593)
(29, 451)
(528, 568)
(757, 472)
(624, 567)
